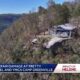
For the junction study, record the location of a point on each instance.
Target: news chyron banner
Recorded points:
(40, 68)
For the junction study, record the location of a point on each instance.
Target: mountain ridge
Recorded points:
(7, 19)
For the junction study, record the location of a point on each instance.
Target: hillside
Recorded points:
(16, 43)
(7, 19)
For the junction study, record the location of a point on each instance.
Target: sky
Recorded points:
(22, 6)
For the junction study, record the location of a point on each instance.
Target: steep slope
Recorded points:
(21, 33)
(16, 47)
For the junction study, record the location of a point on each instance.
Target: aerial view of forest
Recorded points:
(49, 34)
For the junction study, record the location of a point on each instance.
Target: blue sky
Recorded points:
(22, 6)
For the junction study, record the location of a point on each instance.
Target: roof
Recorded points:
(67, 27)
(55, 40)
(34, 40)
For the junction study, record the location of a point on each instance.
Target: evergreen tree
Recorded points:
(65, 14)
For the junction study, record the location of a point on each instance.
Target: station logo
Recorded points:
(69, 68)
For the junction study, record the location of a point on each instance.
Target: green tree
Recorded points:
(51, 3)
(65, 14)
(76, 10)
(42, 10)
